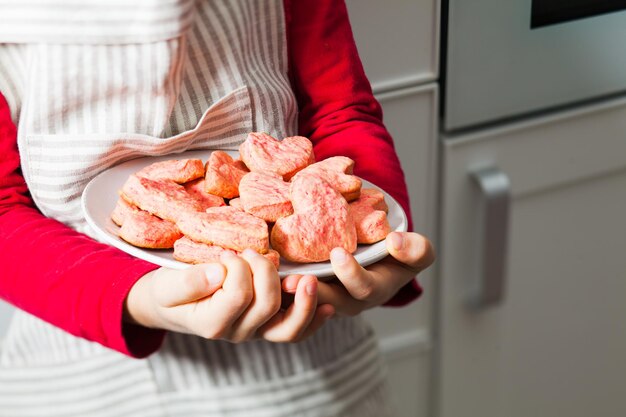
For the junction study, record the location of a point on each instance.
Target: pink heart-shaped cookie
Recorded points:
(223, 174)
(321, 222)
(163, 198)
(337, 171)
(122, 210)
(187, 250)
(374, 198)
(197, 189)
(261, 152)
(236, 203)
(177, 170)
(228, 227)
(265, 195)
(142, 229)
(370, 216)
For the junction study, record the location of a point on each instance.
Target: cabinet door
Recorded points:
(555, 344)
(398, 41)
(405, 333)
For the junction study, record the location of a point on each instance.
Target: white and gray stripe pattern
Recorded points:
(335, 373)
(232, 44)
(13, 59)
(93, 21)
(154, 78)
(56, 177)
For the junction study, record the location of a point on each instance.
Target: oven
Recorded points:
(508, 59)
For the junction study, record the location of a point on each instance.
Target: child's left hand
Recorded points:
(358, 288)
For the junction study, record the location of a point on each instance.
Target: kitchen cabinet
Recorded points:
(398, 41)
(405, 333)
(554, 344)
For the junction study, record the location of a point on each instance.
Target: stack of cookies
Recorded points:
(275, 194)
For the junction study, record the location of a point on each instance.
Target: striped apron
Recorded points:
(94, 83)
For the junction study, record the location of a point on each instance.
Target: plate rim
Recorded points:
(149, 256)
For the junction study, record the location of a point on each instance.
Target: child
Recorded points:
(97, 83)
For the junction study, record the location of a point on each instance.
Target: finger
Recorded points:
(411, 249)
(322, 315)
(361, 284)
(337, 296)
(289, 325)
(238, 274)
(290, 283)
(228, 303)
(173, 287)
(266, 300)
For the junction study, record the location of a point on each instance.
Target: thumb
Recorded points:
(174, 287)
(411, 249)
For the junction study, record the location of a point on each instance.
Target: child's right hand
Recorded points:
(238, 299)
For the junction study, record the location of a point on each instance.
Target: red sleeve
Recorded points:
(58, 274)
(338, 111)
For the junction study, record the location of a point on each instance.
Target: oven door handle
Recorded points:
(495, 190)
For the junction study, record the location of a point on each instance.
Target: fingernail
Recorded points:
(289, 284)
(338, 256)
(227, 254)
(330, 313)
(249, 252)
(214, 274)
(396, 241)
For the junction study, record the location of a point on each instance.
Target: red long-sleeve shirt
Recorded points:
(80, 285)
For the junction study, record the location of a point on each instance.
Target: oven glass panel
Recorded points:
(549, 12)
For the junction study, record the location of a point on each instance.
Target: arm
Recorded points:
(59, 275)
(95, 291)
(338, 111)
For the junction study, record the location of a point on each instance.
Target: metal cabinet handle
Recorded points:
(496, 196)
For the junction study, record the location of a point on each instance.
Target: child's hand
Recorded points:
(358, 288)
(238, 299)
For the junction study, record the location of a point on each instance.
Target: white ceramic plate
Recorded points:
(100, 197)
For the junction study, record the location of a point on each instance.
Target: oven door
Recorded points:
(512, 58)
